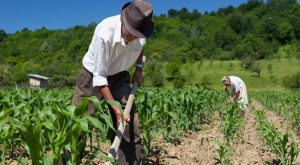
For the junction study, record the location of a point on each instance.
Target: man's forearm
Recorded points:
(105, 91)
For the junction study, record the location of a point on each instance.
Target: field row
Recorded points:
(35, 125)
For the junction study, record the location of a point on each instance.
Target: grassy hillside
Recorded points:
(256, 30)
(194, 72)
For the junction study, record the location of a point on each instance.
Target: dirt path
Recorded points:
(280, 123)
(250, 150)
(196, 148)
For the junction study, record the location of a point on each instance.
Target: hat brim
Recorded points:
(135, 32)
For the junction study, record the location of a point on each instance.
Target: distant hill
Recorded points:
(251, 31)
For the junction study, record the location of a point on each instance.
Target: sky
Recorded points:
(16, 15)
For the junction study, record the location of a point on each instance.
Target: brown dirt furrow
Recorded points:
(196, 148)
(280, 123)
(249, 150)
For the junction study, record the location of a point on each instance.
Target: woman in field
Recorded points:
(238, 89)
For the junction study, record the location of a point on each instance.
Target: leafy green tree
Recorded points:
(3, 35)
(154, 72)
(271, 28)
(225, 37)
(172, 70)
(184, 13)
(250, 5)
(286, 33)
(4, 74)
(295, 22)
(73, 49)
(172, 13)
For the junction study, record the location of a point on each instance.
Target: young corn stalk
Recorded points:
(282, 145)
(232, 120)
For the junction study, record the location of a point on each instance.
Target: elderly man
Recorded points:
(117, 44)
(238, 89)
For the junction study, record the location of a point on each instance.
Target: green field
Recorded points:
(216, 69)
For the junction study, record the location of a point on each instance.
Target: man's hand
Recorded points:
(118, 115)
(138, 76)
(231, 99)
(108, 96)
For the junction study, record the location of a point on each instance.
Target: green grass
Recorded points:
(215, 70)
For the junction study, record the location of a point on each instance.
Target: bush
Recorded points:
(61, 81)
(256, 69)
(154, 71)
(179, 82)
(292, 81)
(205, 82)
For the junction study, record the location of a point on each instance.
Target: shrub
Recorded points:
(61, 81)
(205, 82)
(179, 82)
(292, 81)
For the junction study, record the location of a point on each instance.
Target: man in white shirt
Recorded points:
(238, 89)
(117, 44)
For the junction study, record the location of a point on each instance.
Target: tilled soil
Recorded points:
(196, 148)
(280, 123)
(250, 150)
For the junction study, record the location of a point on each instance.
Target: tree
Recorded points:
(250, 5)
(73, 49)
(172, 13)
(295, 22)
(4, 74)
(3, 35)
(172, 70)
(271, 28)
(184, 13)
(154, 71)
(46, 47)
(225, 37)
(286, 33)
(235, 22)
(195, 14)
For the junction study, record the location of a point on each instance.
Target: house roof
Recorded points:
(38, 76)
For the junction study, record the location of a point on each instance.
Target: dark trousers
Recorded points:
(129, 152)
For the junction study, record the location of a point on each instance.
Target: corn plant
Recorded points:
(232, 120)
(148, 116)
(285, 104)
(282, 145)
(42, 124)
(48, 118)
(224, 152)
(173, 112)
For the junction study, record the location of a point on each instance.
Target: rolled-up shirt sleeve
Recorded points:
(101, 62)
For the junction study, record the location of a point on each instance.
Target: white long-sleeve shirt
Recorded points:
(239, 85)
(108, 54)
(236, 82)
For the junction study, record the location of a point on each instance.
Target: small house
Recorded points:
(37, 81)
